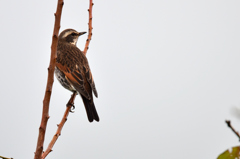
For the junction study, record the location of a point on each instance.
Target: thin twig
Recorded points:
(60, 126)
(48, 92)
(89, 28)
(230, 126)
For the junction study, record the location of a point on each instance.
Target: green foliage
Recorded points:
(234, 154)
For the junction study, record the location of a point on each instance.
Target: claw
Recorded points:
(72, 107)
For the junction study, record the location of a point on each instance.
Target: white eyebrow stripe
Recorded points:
(66, 34)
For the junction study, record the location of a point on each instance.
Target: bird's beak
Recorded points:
(81, 33)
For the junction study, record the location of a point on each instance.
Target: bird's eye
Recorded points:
(73, 34)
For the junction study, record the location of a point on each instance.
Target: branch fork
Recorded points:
(39, 154)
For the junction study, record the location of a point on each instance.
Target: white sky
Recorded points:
(167, 75)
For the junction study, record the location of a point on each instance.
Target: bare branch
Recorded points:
(48, 92)
(60, 126)
(230, 126)
(89, 28)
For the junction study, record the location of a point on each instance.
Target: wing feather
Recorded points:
(75, 78)
(77, 72)
(90, 80)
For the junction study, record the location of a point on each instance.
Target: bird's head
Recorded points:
(70, 36)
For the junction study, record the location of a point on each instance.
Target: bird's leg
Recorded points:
(71, 102)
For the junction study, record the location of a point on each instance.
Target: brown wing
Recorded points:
(74, 64)
(75, 78)
(89, 77)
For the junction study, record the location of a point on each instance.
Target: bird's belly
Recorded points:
(63, 81)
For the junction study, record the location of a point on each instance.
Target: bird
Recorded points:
(73, 72)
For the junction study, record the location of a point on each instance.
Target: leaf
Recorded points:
(5, 157)
(234, 154)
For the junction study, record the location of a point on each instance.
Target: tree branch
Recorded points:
(60, 126)
(89, 28)
(230, 126)
(48, 92)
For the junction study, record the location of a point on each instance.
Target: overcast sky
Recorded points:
(167, 75)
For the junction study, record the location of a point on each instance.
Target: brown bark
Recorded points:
(60, 125)
(48, 92)
(45, 116)
(89, 28)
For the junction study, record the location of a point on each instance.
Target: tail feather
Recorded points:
(90, 109)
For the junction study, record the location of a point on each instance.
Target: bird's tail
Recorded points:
(90, 109)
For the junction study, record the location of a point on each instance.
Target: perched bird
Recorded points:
(73, 72)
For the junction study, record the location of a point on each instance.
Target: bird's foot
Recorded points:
(72, 107)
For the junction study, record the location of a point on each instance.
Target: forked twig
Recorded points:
(230, 126)
(60, 126)
(48, 91)
(71, 101)
(39, 150)
(89, 28)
